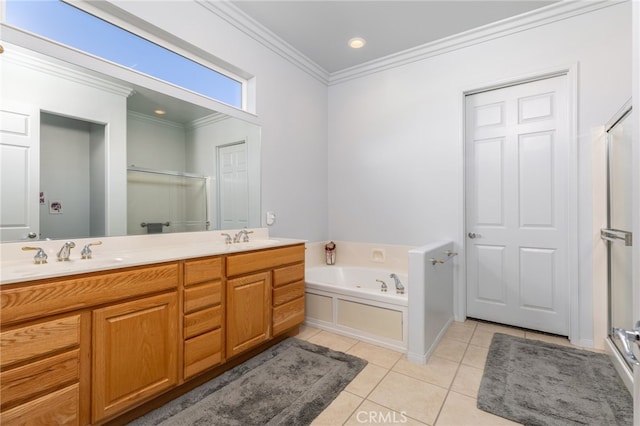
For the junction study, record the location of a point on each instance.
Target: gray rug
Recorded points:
(288, 384)
(538, 383)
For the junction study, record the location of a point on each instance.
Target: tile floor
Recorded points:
(391, 390)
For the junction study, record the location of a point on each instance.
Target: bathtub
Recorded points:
(348, 300)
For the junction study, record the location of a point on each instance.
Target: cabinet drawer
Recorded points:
(28, 380)
(282, 276)
(202, 352)
(286, 293)
(202, 296)
(201, 321)
(57, 408)
(288, 315)
(32, 299)
(197, 271)
(24, 343)
(238, 264)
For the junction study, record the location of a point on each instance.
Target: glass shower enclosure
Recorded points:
(617, 234)
(166, 202)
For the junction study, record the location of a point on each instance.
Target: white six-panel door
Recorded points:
(19, 171)
(517, 148)
(233, 186)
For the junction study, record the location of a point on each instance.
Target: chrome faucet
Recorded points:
(40, 257)
(227, 238)
(383, 286)
(86, 252)
(244, 234)
(65, 251)
(399, 286)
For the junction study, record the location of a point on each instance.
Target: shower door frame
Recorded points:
(622, 366)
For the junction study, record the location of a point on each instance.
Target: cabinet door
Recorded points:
(135, 352)
(248, 312)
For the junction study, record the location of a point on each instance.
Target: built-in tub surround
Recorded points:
(369, 255)
(345, 298)
(353, 301)
(431, 270)
(339, 291)
(119, 252)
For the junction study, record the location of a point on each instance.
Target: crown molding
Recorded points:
(27, 59)
(208, 120)
(255, 30)
(536, 18)
(154, 120)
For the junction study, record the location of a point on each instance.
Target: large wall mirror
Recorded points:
(87, 154)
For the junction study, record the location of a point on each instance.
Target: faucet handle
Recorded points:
(40, 257)
(383, 286)
(245, 236)
(227, 238)
(86, 252)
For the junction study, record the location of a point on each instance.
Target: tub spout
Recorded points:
(399, 286)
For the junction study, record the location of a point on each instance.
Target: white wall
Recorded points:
(291, 109)
(155, 144)
(395, 140)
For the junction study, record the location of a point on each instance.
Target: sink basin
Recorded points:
(53, 267)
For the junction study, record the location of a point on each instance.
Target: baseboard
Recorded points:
(423, 358)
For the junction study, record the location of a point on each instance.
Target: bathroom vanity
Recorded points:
(86, 345)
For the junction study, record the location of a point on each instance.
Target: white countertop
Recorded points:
(17, 265)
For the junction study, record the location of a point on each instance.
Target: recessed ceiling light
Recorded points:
(160, 112)
(357, 42)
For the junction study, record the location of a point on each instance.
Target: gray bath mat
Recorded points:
(288, 384)
(538, 383)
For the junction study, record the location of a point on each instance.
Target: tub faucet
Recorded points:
(65, 251)
(383, 286)
(399, 286)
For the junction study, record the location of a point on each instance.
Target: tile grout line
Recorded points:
(435, 422)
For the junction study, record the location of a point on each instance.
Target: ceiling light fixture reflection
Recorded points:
(357, 42)
(160, 112)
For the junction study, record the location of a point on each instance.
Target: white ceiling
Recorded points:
(320, 29)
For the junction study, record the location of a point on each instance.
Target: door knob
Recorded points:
(32, 235)
(473, 235)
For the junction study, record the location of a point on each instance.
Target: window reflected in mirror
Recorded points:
(66, 24)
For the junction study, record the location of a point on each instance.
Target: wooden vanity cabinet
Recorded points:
(288, 297)
(252, 317)
(85, 349)
(40, 382)
(203, 315)
(76, 350)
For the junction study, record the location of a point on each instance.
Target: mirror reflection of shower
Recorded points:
(166, 201)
